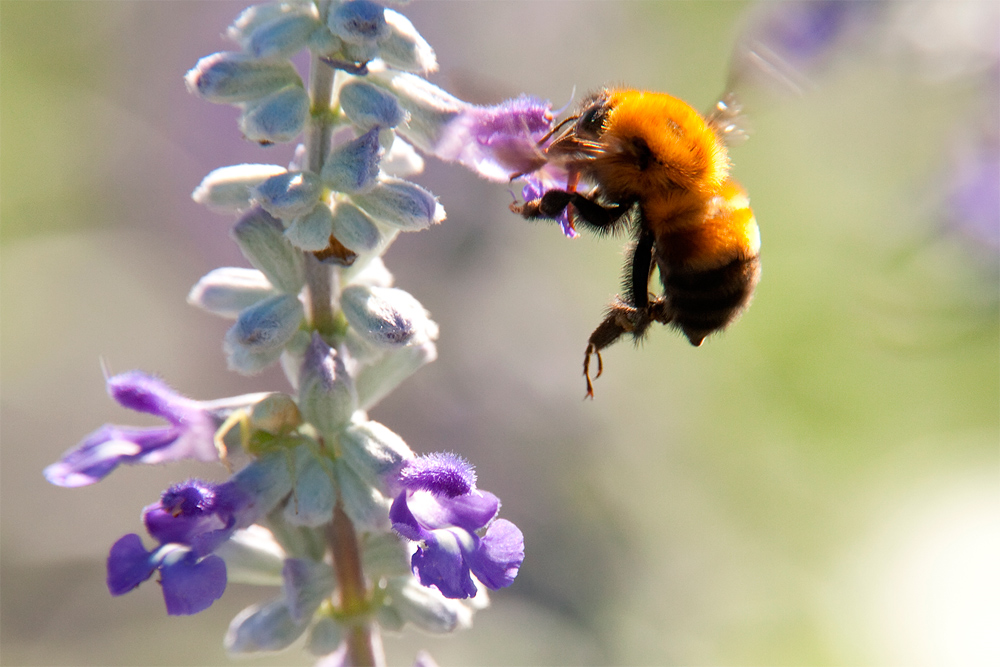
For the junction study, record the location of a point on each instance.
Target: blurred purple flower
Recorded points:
(785, 43)
(441, 509)
(972, 201)
(188, 435)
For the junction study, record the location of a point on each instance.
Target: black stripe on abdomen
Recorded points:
(705, 301)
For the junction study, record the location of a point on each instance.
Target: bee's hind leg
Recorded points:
(621, 319)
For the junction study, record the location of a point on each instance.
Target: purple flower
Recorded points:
(190, 521)
(497, 142)
(188, 435)
(540, 182)
(197, 514)
(441, 509)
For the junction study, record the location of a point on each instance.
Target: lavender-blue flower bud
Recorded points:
(257, 16)
(429, 108)
(426, 608)
(367, 509)
(260, 333)
(290, 194)
(359, 22)
(401, 204)
(369, 106)
(312, 230)
(263, 627)
(230, 189)
(375, 453)
(283, 35)
(261, 239)
(277, 118)
(385, 316)
(228, 290)
(327, 397)
(228, 77)
(353, 166)
(306, 584)
(354, 228)
(314, 496)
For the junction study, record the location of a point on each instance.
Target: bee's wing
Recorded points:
(728, 121)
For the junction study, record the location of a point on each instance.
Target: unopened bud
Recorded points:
(229, 78)
(369, 106)
(277, 118)
(353, 166)
(401, 204)
(261, 238)
(229, 189)
(227, 291)
(290, 194)
(260, 333)
(327, 397)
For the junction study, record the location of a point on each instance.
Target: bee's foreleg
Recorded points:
(551, 204)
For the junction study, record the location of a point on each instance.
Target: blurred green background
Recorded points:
(817, 486)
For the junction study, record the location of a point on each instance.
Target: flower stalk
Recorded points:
(363, 647)
(360, 532)
(317, 139)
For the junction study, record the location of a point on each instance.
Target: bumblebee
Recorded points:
(649, 163)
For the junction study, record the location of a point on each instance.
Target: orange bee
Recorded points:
(656, 166)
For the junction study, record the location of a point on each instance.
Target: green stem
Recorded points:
(363, 644)
(364, 647)
(317, 143)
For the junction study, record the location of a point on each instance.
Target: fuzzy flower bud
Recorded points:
(230, 189)
(229, 78)
(363, 504)
(426, 608)
(290, 194)
(327, 397)
(376, 453)
(401, 204)
(385, 317)
(261, 239)
(282, 36)
(261, 332)
(355, 229)
(229, 290)
(359, 22)
(312, 230)
(263, 627)
(279, 117)
(353, 166)
(369, 106)
(314, 496)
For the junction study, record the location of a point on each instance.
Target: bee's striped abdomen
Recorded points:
(707, 300)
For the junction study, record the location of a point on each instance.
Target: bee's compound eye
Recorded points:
(592, 120)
